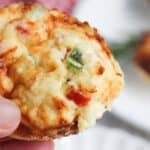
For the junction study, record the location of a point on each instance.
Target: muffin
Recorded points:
(142, 55)
(58, 70)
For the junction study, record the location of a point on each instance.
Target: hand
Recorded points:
(64, 5)
(9, 120)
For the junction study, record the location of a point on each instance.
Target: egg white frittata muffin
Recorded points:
(142, 55)
(58, 70)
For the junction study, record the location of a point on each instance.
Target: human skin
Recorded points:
(64, 5)
(10, 118)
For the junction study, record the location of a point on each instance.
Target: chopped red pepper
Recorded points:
(22, 29)
(78, 97)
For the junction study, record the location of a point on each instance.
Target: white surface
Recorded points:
(101, 138)
(115, 19)
(133, 104)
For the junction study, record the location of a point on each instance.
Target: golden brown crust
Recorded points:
(25, 133)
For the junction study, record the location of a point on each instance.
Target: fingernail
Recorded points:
(9, 117)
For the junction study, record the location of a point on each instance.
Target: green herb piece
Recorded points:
(119, 48)
(74, 59)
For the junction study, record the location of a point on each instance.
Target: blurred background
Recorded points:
(125, 24)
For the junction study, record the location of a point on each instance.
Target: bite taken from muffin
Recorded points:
(58, 70)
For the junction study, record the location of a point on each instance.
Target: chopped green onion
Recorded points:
(74, 59)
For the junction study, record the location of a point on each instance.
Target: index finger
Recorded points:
(9, 117)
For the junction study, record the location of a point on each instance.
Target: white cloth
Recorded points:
(102, 138)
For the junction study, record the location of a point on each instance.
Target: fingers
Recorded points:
(5, 3)
(66, 5)
(22, 145)
(9, 117)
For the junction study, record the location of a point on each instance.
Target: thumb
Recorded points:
(9, 117)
